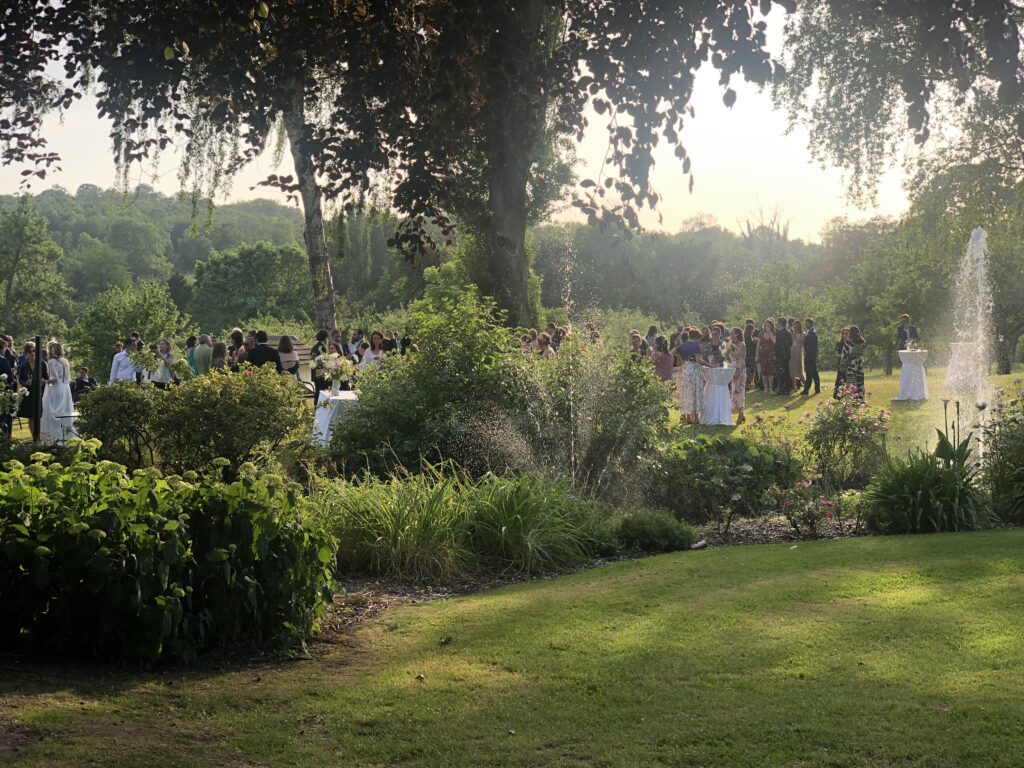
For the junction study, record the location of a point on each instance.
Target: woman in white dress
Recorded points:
(57, 400)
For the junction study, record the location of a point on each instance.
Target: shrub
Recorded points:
(245, 416)
(715, 478)
(845, 442)
(928, 492)
(1003, 460)
(120, 417)
(141, 567)
(442, 524)
(471, 396)
(651, 530)
(412, 407)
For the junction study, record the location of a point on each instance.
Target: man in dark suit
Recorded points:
(783, 350)
(263, 354)
(906, 333)
(811, 358)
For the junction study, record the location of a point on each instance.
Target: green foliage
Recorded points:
(442, 524)
(33, 295)
(98, 562)
(409, 408)
(252, 415)
(653, 531)
(1003, 459)
(147, 308)
(256, 415)
(120, 416)
(928, 492)
(845, 442)
(93, 267)
(247, 281)
(714, 478)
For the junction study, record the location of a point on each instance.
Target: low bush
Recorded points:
(139, 567)
(120, 417)
(254, 415)
(713, 478)
(928, 492)
(246, 416)
(442, 524)
(845, 442)
(653, 531)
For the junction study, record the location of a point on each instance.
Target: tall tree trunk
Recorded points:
(515, 115)
(324, 309)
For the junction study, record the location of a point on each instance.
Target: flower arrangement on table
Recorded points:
(10, 399)
(333, 367)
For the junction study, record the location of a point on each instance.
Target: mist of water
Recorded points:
(971, 353)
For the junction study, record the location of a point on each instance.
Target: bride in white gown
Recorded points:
(57, 400)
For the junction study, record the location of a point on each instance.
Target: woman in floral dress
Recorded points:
(691, 381)
(841, 348)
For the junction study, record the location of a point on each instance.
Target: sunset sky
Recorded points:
(742, 160)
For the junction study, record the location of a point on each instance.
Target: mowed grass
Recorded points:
(898, 651)
(912, 425)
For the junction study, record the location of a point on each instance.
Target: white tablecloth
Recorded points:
(717, 406)
(913, 382)
(329, 410)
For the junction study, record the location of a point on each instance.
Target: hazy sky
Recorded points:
(742, 160)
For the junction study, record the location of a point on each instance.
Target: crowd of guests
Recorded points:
(781, 358)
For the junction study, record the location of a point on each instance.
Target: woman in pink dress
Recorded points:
(738, 360)
(662, 359)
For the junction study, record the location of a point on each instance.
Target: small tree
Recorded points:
(147, 308)
(33, 292)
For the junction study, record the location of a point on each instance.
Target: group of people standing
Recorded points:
(781, 357)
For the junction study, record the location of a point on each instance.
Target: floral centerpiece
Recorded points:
(334, 367)
(10, 399)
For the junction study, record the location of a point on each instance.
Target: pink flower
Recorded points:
(807, 414)
(800, 420)
(899, 438)
(785, 407)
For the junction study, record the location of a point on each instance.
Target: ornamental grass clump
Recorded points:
(442, 525)
(138, 567)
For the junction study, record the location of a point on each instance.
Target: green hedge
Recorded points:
(139, 567)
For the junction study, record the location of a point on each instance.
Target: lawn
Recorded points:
(899, 651)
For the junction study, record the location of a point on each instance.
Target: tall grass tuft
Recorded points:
(441, 524)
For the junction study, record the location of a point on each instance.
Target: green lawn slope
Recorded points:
(900, 651)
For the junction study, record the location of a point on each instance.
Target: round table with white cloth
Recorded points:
(913, 380)
(717, 405)
(328, 411)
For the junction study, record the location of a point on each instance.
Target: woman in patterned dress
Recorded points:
(855, 361)
(691, 381)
